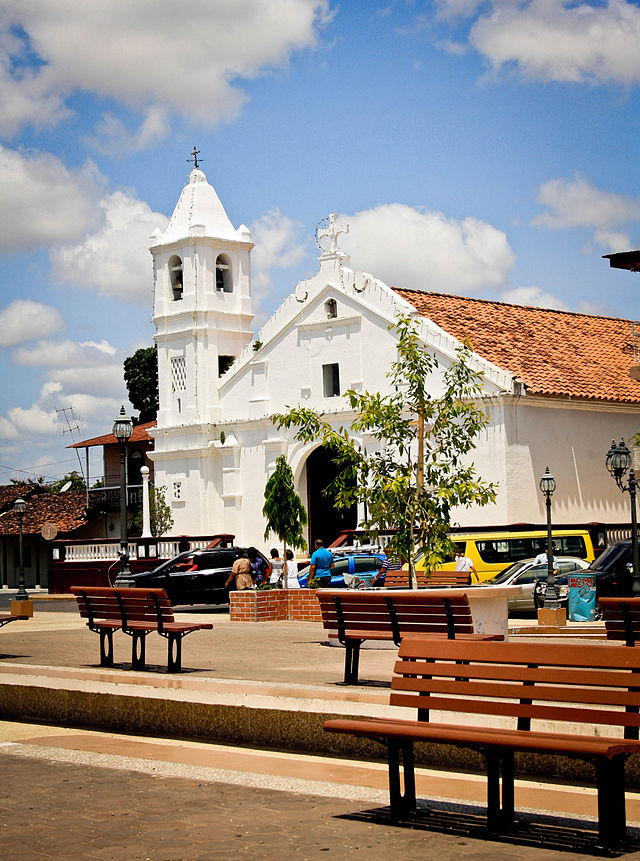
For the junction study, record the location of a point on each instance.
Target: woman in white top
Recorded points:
(291, 572)
(275, 578)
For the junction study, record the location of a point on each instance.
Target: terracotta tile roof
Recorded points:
(10, 492)
(65, 510)
(555, 353)
(139, 435)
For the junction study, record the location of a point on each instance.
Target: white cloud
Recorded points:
(424, 250)
(107, 379)
(449, 10)
(533, 296)
(113, 138)
(146, 54)
(577, 203)
(558, 40)
(114, 260)
(279, 243)
(42, 201)
(612, 240)
(35, 420)
(24, 320)
(65, 354)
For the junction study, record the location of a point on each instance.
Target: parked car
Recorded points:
(195, 576)
(366, 564)
(527, 575)
(612, 570)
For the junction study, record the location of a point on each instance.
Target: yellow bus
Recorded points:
(492, 552)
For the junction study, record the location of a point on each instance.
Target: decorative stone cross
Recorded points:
(333, 230)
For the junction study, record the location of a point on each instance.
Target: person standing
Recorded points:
(542, 559)
(465, 564)
(321, 565)
(389, 563)
(259, 569)
(275, 578)
(241, 572)
(290, 572)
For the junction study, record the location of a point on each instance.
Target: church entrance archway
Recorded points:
(325, 520)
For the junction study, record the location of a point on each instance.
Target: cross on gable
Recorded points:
(333, 230)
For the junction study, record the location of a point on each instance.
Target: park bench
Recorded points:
(621, 619)
(583, 704)
(353, 617)
(138, 613)
(400, 579)
(5, 618)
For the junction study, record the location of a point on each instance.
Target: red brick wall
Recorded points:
(274, 605)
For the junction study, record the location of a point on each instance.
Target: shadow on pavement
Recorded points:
(535, 830)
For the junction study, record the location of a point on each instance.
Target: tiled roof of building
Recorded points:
(10, 492)
(139, 435)
(555, 353)
(67, 511)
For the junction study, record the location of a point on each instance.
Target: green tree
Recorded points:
(419, 471)
(159, 513)
(77, 482)
(141, 378)
(283, 508)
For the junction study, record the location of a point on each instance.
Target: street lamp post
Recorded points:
(122, 430)
(20, 506)
(618, 462)
(547, 486)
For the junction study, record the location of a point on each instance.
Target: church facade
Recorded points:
(555, 386)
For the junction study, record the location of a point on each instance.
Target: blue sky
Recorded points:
(482, 148)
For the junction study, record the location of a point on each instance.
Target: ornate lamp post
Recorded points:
(20, 506)
(618, 462)
(122, 430)
(547, 486)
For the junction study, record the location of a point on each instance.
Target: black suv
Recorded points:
(612, 570)
(195, 576)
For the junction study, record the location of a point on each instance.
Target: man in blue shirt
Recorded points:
(321, 564)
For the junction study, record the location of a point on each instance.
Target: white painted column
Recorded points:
(146, 513)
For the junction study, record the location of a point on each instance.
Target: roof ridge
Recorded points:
(512, 304)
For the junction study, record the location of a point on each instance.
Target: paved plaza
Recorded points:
(255, 781)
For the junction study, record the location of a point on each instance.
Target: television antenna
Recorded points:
(73, 424)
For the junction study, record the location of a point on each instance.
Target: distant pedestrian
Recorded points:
(321, 564)
(259, 568)
(290, 572)
(241, 573)
(542, 559)
(277, 564)
(389, 563)
(465, 564)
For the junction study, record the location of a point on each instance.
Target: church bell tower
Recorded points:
(202, 303)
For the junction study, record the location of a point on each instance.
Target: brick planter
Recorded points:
(274, 605)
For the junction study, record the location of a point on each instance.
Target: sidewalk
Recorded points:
(72, 792)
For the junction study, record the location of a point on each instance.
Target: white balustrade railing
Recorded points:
(108, 551)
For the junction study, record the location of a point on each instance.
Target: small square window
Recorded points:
(331, 380)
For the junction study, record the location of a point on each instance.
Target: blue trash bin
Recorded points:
(582, 597)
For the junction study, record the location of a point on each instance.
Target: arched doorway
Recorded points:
(325, 520)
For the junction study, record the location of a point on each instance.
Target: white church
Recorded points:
(556, 385)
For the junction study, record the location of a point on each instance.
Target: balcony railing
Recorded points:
(110, 496)
(139, 548)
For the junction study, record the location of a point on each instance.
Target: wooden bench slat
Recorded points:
(517, 672)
